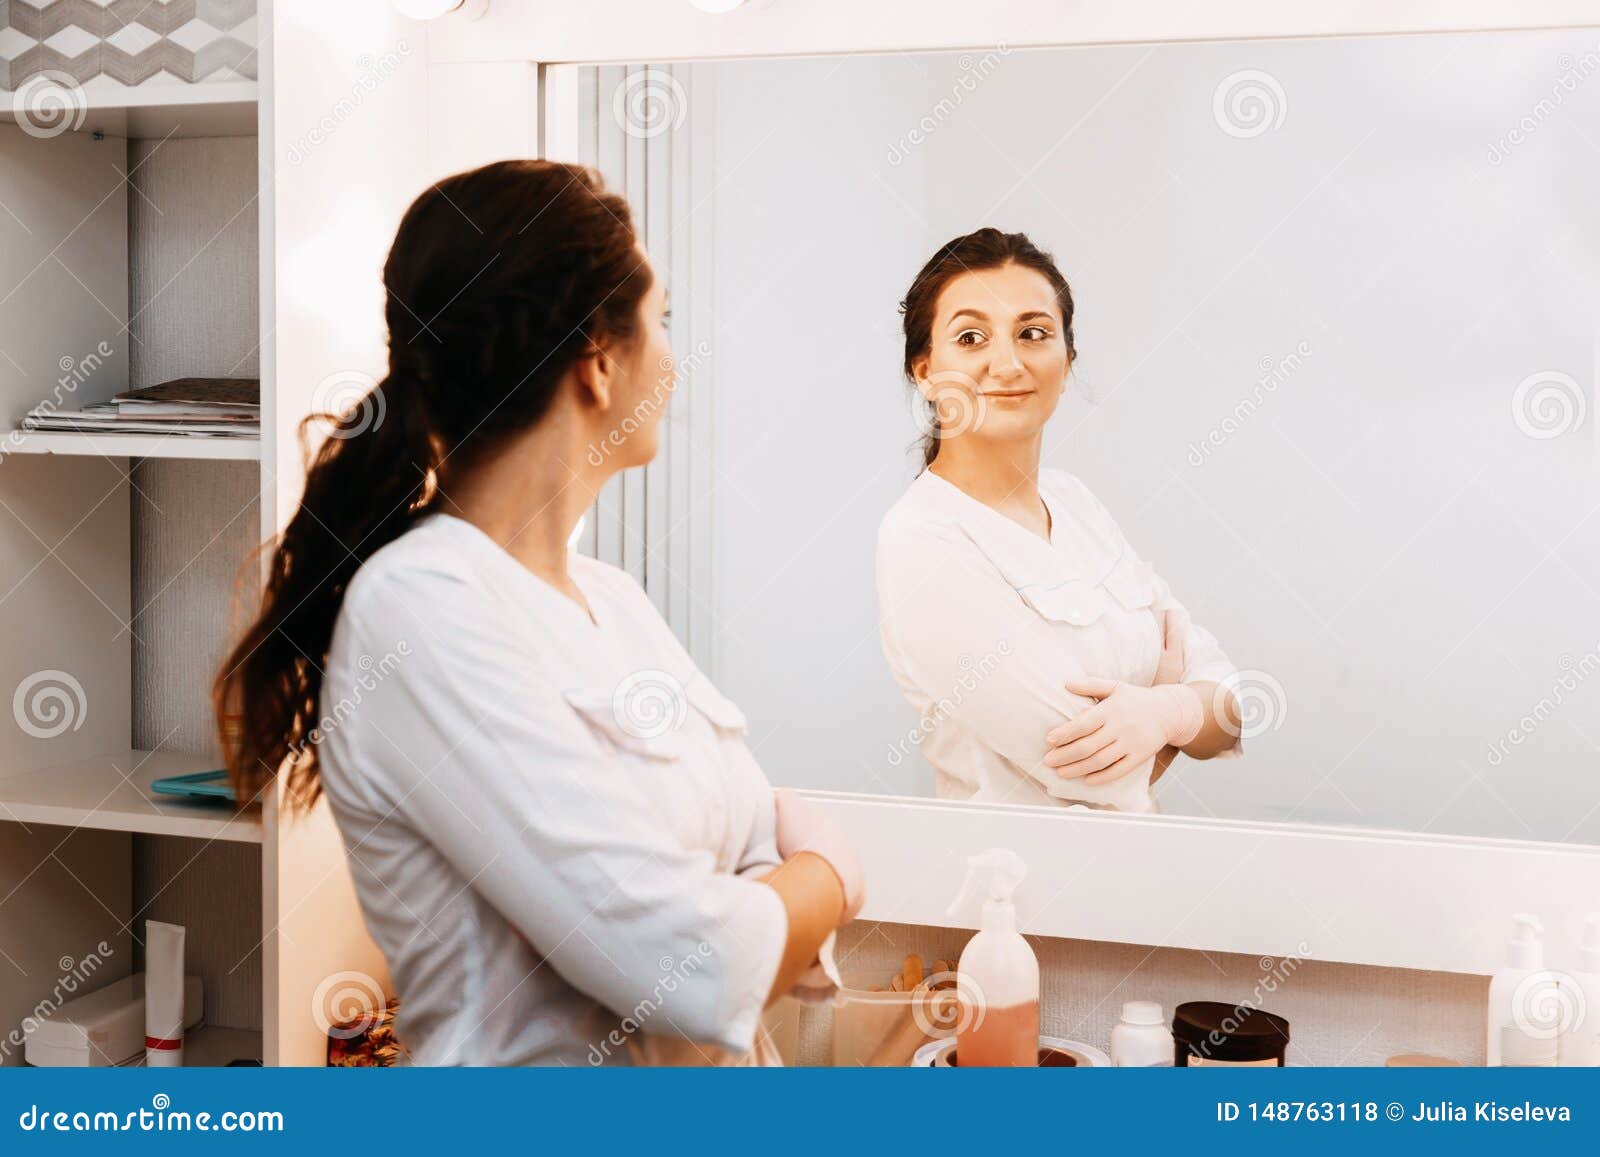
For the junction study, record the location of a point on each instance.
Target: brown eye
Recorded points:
(975, 335)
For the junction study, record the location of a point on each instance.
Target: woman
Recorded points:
(1047, 661)
(557, 834)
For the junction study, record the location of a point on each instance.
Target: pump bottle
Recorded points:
(1580, 1040)
(1514, 1001)
(998, 974)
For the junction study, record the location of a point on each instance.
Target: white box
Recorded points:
(106, 1027)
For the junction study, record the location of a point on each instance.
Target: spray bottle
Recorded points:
(998, 974)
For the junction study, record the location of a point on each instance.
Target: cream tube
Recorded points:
(163, 994)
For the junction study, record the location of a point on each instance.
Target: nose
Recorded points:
(1004, 365)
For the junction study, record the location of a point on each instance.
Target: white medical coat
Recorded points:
(983, 622)
(548, 817)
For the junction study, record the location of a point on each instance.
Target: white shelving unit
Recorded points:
(112, 793)
(351, 120)
(334, 172)
(113, 445)
(225, 109)
(77, 814)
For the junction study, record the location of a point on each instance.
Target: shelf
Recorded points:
(212, 1046)
(113, 445)
(218, 109)
(215, 1046)
(112, 793)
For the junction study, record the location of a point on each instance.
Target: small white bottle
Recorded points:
(997, 978)
(1512, 997)
(1142, 1039)
(1580, 1040)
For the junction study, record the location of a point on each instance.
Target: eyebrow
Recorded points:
(981, 316)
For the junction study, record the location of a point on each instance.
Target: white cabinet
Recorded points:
(327, 146)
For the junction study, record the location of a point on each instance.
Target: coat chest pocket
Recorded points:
(643, 715)
(1130, 585)
(723, 712)
(648, 712)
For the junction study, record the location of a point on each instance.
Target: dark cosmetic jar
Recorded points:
(1208, 1032)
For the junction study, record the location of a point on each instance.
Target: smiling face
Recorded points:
(997, 357)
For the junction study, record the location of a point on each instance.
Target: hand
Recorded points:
(1175, 629)
(1169, 669)
(819, 983)
(1128, 725)
(802, 828)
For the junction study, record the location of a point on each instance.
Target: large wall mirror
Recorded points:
(1337, 314)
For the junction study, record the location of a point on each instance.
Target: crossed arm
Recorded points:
(1017, 681)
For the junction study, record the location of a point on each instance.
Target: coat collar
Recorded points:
(1080, 551)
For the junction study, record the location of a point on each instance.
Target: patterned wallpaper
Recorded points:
(129, 41)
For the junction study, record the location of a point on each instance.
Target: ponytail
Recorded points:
(369, 481)
(500, 292)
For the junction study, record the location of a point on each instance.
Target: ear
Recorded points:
(919, 371)
(593, 373)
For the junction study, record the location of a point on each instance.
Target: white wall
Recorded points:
(1374, 530)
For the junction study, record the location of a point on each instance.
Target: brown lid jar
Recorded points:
(1208, 1032)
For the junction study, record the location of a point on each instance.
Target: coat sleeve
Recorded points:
(1204, 659)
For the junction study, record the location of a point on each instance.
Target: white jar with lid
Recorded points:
(1142, 1039)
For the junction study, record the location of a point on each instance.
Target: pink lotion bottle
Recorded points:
(998, 974)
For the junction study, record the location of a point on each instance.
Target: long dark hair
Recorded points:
(985, 249)
(498, 281)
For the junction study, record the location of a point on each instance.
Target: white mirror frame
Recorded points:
(1351, 895)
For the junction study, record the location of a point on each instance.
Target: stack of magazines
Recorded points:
(214, 407)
